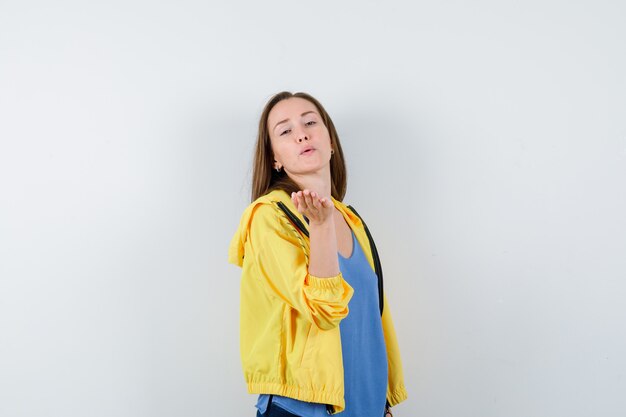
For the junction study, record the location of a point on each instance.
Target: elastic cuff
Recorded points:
(319, 282)
(397, 396)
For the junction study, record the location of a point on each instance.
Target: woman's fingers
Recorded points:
(308, 200)
(313, 201)
(297, 201)
(316, 201)
(302, 201)
(310, 204)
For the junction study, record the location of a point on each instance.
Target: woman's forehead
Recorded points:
(292, 107)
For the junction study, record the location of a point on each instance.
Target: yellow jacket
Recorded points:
(289, 320)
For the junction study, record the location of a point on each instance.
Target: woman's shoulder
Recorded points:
(263, 215)
(265, 205)
(272, 196)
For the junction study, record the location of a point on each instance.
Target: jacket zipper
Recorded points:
(296, 221)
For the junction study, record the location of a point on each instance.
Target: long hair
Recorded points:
(266, 179)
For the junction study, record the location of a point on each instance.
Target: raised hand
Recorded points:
(317, 209)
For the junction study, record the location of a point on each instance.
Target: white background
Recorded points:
(486, 149)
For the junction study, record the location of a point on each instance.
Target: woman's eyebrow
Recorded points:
(303, 114)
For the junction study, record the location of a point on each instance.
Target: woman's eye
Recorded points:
(285, 131)
(312, 122)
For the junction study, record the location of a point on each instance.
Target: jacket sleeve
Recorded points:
(396, 391)
(280, 258)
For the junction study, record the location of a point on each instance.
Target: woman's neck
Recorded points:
(319, 183)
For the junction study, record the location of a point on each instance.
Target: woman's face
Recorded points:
(300, 140)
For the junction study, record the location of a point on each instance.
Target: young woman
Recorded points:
(316, 333)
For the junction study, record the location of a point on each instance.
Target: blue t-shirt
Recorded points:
(363, 348)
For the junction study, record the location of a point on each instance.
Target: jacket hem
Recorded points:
(299, 393)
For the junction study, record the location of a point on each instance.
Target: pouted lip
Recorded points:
(308, 148)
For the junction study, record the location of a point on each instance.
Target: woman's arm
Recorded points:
(275, 255)
(323, 261)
